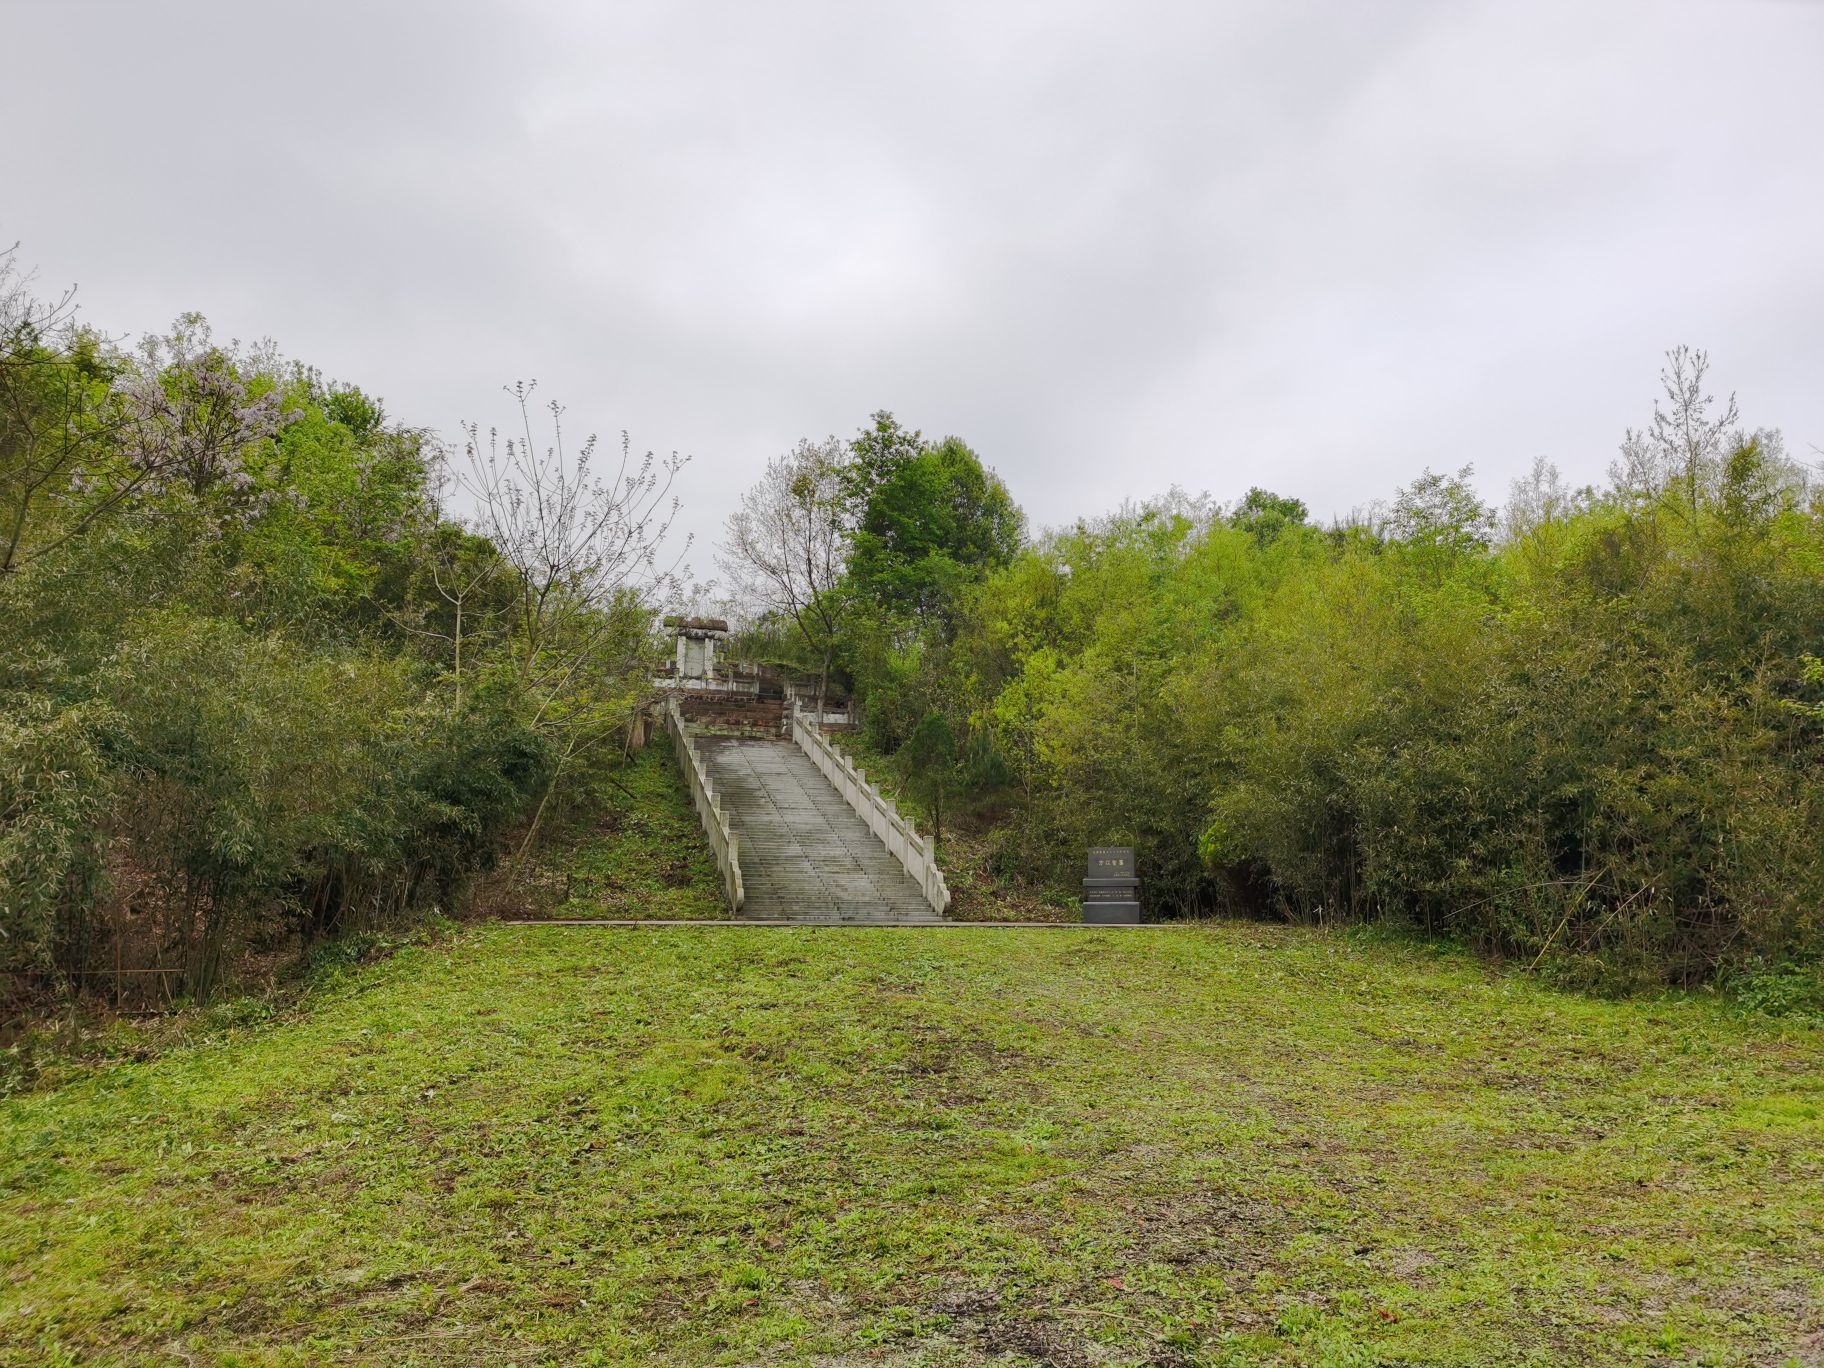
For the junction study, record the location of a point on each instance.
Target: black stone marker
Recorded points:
(1111, 892)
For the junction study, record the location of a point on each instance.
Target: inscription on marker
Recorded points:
(1111, 862)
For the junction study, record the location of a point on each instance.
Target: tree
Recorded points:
(1442, 517)
(876, 455)
(1539, 500)
(930, 755)
(57, 420)
(581, 556)
(785, 547)
(1265, 515)
(194, 420)
(939, 521)
(468, 597)
(1683, 445)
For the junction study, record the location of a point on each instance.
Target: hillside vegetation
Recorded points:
(1173, 1145)
(633, 851)
(258, 688)
(1586, 728)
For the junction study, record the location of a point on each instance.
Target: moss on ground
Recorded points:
(1177, 1145)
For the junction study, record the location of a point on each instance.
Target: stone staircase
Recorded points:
(805, 854)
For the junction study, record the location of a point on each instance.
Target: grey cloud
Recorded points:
(1115, 247)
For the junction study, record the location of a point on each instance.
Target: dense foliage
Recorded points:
(255, 687)
(1586, 728)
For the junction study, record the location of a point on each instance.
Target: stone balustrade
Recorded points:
(722, 839)
(914, 852)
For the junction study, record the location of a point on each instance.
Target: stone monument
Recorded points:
(697, 643)
(1111, 891)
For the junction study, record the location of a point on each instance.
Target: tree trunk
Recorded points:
(538, 816)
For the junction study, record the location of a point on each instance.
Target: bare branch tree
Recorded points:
(23, 314)
(1538, 500)
(582, 554)
(785, 547)
(463, 571)
(1683, 445)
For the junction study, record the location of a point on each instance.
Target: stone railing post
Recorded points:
(916, 854)
(722, 839)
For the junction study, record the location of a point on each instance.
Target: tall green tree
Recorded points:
(1265, 515)
(940, 521)
(876, 454)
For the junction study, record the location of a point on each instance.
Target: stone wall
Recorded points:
(733, 712)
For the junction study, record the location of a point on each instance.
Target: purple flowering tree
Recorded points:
(191, 424)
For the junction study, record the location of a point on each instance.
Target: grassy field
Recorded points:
(1179, 1145)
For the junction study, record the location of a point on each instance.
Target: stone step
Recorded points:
(806, 855)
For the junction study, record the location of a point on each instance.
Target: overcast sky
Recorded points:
(1115, 247)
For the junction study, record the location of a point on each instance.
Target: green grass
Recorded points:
(643, 856)
(1210, 1145)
